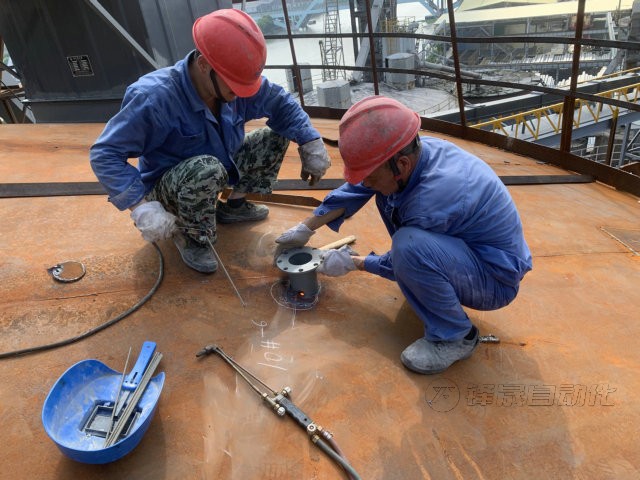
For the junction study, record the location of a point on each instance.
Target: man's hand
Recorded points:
(153, 221)
(315, 160)
(336, 263)
(297, 236)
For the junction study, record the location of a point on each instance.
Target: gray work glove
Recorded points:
(297, 236)
(315, 160)
(153, 221)
(336, 263)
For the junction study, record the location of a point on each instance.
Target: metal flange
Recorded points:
(300, 264)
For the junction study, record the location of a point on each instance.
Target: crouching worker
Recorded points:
(456, 236)
(186, 125)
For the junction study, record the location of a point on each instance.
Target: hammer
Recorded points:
(339, 243)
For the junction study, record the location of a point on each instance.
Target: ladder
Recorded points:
(331, 48)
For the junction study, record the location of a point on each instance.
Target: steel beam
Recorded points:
(120, 30)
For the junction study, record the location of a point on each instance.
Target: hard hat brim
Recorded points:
(242, 90)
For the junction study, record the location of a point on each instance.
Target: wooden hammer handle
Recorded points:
(339, 243)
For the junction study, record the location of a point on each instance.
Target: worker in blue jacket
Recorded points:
(456, 236)
(186, 126)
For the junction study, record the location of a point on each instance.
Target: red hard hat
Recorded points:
(371, 132)
(234, 46)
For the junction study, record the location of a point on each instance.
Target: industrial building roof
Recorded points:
(482, 4)
(479, 13)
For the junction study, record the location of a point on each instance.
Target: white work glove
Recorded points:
(337, 262)
(153, 221)
(297, 236)
(315, 160)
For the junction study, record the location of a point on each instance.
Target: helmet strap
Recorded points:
(214, 79)
(396, 173)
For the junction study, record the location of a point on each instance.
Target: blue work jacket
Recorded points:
(163, 121)
(450, 192)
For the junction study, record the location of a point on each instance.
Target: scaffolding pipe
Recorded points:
(570, 99)
(612, 138)
(456, 62)
(372, 50)
(296, 68)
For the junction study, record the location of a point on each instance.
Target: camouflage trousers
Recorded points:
(190, 190)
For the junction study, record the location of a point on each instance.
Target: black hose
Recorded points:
(62, 343)
(337, 458)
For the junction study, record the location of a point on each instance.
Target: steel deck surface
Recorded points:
(556, 398)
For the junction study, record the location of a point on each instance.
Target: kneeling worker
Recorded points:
(456, 236)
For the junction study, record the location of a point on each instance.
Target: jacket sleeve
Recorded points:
(380, 265)
(134, 130)
(285, 116)
(350, 197)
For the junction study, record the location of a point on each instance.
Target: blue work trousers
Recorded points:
(438, 274)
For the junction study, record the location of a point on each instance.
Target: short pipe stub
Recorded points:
(300, 264)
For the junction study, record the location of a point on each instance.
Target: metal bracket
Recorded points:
(491, 338)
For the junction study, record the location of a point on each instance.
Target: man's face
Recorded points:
(215, 80)
(382, 180)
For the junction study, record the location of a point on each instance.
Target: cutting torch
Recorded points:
(281, 404)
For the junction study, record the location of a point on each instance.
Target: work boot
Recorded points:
(196, 255)
(424, 356)
(247, 212)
